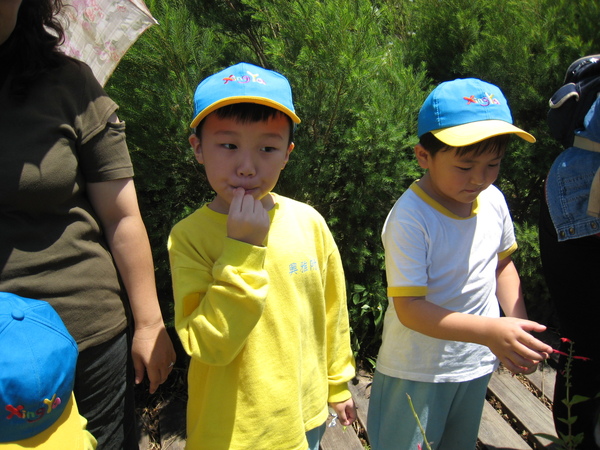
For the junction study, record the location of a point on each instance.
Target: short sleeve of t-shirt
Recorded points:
(103, 153)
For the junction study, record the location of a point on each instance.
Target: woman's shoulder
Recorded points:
(75, 70)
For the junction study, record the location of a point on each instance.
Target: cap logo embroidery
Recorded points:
(31, 416)
(254, 78)
(483, 101)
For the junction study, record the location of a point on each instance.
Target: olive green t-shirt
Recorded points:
(53, 142)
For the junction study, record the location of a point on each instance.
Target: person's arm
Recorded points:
(341, 366)
(509, 294)
(115, 203)
(507, 337)
(217, 303)
(508, 289)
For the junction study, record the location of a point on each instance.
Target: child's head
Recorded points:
(37, 372)
(243, 83)
(464, 112)
(464, 129)
(243, 130)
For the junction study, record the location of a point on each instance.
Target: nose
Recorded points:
(478, 177)
(246, 166)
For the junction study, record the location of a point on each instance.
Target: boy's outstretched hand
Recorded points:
(248, 220)
(346, 411)
(509, 339)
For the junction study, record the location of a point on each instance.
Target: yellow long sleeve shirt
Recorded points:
(266, 327)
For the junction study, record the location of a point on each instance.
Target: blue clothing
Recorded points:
(314, 437)
(569, 182)
(569, 234)
(450, 413)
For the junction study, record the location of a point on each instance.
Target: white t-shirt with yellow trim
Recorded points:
(451, 261)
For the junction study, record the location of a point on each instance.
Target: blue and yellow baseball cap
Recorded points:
(37, 373)
(243, 83)
(466, 111)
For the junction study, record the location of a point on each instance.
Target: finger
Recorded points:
(530, 325)
(523, 361)
(154, 377)
(510, 365)
(523, 356)
(139, 369)
(534, 348)
(168, 371)
(248, 203)
(351, 414)
(236, 201)
(531, 369)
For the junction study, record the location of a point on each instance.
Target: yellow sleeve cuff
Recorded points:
(407, 291)
(507, 252)
(339, 393)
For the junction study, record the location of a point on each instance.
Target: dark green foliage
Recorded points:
(154, 86)
(354, 157)
(366, 308)
(524, 47)
(527, 259)
(360, 70)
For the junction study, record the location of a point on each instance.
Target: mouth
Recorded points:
(247, 190)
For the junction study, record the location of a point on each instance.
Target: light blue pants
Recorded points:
(449, 413)
(314, 437)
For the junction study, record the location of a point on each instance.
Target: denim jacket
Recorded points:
(569, 182)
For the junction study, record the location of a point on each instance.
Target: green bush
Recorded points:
(360, 70)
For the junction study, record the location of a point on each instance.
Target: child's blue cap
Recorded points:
(37, 372)
(243, 83)
(466, 111)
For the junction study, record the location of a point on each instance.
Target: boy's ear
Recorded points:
(290, 149)
(423, 156)
(197, 147)
(287, 154)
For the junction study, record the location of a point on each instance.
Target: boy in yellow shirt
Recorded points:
(260, 301)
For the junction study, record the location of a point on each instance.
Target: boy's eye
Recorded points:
(494, 165)
(268, 149)
(230, 146)
(463, 168)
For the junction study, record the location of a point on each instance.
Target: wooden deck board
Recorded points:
(521, 404)
(340, 438)
(495, 433)
(544, 380)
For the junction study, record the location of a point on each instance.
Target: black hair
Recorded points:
(247, 113)
(32, 47)
(495, 144)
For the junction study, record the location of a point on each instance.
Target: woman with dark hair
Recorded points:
(71, 232)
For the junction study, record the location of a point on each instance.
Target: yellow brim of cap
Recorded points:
(66, 433)
(473, 132)
(243, 99)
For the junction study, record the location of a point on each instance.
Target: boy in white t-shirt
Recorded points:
(448, 241)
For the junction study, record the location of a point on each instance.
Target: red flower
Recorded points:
(583, 358)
